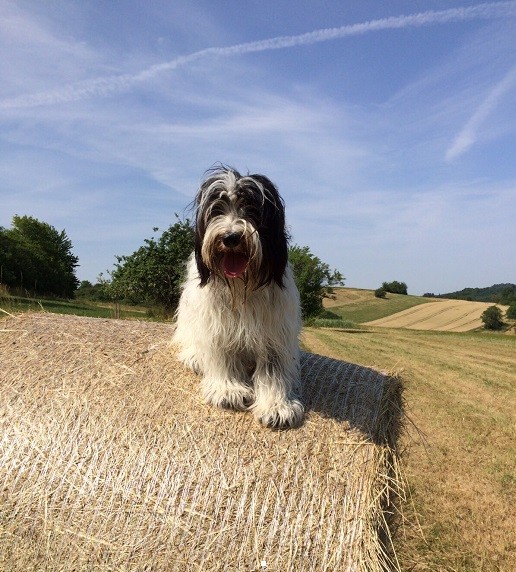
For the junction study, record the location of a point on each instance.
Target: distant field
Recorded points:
(444, 315)
(14, 304)
(461, 394)
(361, 306)
(401, 311)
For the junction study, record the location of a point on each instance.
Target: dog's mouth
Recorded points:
(234, 264)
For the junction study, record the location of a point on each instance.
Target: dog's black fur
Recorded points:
(259, 203)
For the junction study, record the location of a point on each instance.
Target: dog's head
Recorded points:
(240, 229)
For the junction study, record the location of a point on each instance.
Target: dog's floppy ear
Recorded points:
(273, 234)
(203, 270)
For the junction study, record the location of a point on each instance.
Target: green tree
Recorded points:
(36, 257)
(492, 318)
(511, 311)
(395, 287)
(380, 293)
(508, 295)
(314, 280)
(154, 273)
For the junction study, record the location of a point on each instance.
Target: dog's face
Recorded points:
(240, 229)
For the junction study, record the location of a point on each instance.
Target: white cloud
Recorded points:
(104, 86)
(468, 135)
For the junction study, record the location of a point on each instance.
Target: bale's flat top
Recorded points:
(109, 460)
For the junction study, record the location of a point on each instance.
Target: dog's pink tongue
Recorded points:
(234, 264)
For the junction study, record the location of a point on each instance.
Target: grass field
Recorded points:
(361, 306)
(460, 462)
(15, 304)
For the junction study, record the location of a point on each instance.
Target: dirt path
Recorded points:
(444, 316)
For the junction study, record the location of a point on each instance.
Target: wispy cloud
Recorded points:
(469, 133)
(108, 85)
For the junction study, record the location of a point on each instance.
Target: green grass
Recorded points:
(15, 304)
(459, 464)
(331, 323)
(376, 308)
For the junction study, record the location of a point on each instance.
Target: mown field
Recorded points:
(459, 447)
(361, 306)
(443, 315)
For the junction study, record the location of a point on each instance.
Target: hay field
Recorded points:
(442, 315)
(361, 306)
(461, 470)
(344, 296)
(110, 461)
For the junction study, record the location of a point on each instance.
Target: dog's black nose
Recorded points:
(232, 239)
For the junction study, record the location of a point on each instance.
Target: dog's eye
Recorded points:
(216, 210)
(219, 207)
(250, 213)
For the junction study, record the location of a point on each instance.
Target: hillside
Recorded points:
(359, 306)
(442, 316)
(497, 293)
(402, 311)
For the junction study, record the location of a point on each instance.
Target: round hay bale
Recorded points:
(110, 461)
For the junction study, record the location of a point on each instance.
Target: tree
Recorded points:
(95, 292)
(511, 311)
(492, 318)
(508, 295)
(154, 273)
(395, 287)
(380, 293)
(37, 257)
(314, 279)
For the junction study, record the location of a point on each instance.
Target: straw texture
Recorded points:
(109, 460)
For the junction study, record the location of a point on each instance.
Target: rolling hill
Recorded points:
(495, 293)
(412, 312)
(442, 316)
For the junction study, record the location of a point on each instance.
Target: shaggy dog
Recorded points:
(239, 317)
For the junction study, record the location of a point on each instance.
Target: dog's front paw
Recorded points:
(281, 415)
(227, 394)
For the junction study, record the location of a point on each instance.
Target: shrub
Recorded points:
(380, 293)
(153, 274)
(511, 311)
(314, 280)
(492, 318)
(395, 287)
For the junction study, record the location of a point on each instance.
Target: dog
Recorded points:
(238, 319)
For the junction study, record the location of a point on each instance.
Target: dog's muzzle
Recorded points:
(234, 261)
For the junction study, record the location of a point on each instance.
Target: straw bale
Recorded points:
(110, 461)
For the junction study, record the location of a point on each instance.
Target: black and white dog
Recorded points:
(239, 319)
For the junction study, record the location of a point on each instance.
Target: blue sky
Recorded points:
(389, 127)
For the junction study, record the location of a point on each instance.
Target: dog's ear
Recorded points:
(202, 269)
(273, 234)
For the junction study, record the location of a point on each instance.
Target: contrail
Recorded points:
(468, 134)
(109, 85)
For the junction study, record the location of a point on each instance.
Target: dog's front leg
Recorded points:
(276, 381)
(226, 383)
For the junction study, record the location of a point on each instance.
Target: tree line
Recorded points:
(37, 259)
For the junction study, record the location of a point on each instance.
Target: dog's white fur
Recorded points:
(241, 337)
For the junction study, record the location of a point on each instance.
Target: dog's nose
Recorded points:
(231, 239)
